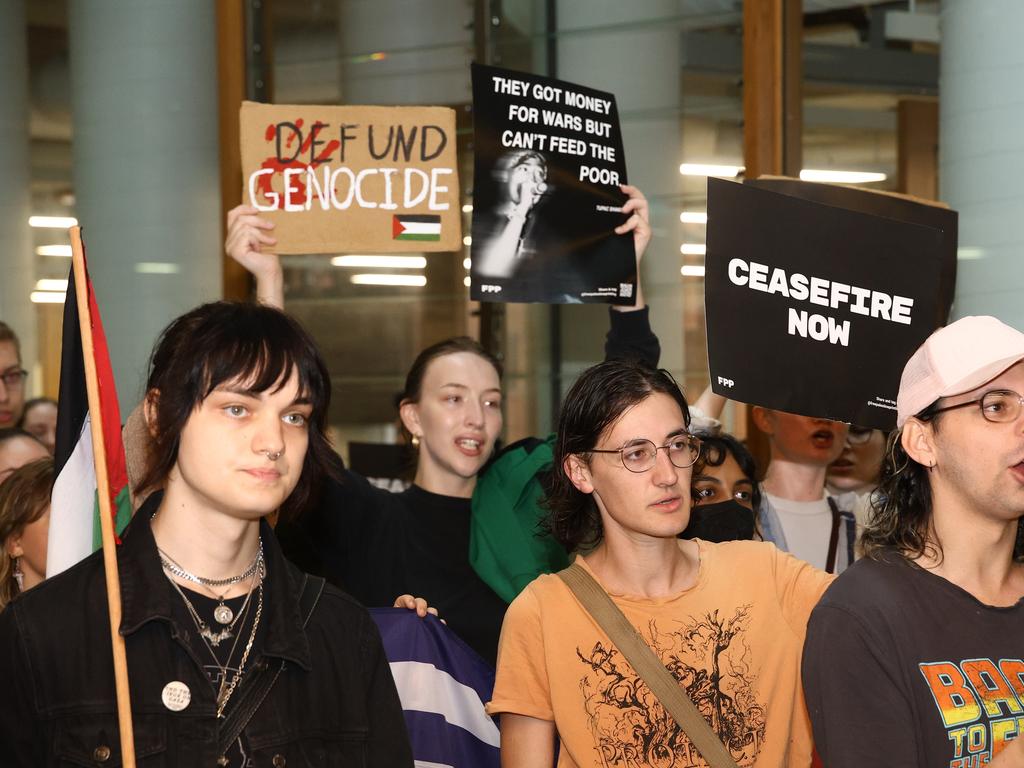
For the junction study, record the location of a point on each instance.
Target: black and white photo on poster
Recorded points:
(548, 162)
(813, 308)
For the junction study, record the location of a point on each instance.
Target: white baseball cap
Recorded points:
(956, 359)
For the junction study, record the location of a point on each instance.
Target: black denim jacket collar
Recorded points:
(146, 594)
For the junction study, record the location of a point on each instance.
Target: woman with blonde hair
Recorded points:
(24, 525)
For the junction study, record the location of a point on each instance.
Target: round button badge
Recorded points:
(176, 696)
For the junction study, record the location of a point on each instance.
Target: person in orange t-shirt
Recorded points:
(728, 620)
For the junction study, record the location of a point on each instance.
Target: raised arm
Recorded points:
(246, 242)
(629, 334)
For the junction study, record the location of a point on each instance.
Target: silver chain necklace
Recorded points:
(214, 639)
(222, 613)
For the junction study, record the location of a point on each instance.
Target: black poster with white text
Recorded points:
(813, 308)
(548, 161)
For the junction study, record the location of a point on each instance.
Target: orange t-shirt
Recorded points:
(733, 640)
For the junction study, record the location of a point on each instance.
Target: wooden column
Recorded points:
(231, 78)
(772, 123)
(918, 148)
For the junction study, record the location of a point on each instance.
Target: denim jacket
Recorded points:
(333, 704)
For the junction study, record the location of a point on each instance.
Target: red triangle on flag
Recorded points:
(397, 227)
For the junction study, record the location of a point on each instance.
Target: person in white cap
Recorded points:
(915, 655)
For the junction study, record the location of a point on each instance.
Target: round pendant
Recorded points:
(223, 614)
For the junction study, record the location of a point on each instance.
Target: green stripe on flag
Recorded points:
(123, 515)
(407, 236)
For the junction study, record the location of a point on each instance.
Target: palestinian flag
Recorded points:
(74, 509)
(416, 228)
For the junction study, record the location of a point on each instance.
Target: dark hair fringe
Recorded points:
(224, 342)
(593, 404)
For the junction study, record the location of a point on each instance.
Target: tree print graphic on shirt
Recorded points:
(711, 659)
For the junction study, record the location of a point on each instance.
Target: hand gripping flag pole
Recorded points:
(124, 709)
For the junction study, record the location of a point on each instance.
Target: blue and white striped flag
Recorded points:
(443, 685)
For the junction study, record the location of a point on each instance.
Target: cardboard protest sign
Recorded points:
(546, 197)
(814, 308)
(336, 179)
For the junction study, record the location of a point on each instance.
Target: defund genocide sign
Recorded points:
(546, 197)
(336, 179)
(815, 299)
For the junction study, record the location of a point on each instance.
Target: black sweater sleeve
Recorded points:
(630, 338)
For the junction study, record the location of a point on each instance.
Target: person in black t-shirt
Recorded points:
(914, 656)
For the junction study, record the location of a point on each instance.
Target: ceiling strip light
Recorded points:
(841, 177)
(693, 249)
(703, 169)
(47, 297)
(381, 262)
(692, 270)
(414, 281)
(52, 222)
(54, 250)
(693, 217)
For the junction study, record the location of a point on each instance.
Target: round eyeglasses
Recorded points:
(640, 455)
(998, 406)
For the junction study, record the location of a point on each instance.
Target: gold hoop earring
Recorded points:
(415, 440)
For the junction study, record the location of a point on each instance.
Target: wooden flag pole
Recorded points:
(124, 707)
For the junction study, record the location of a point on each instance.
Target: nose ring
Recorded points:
(273, 455)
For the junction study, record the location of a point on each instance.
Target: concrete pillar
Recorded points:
(17, 266)
(641, 66)
(146, 165)
(981, 154)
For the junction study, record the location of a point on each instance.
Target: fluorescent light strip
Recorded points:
(466, 281)
(414, 281)
(157, 268)
(693, 217)
(45, 284)
(467, 240)
(47, 297)
(467, 208)
(693, 249)
(467, 263)
(54, 250)
(841, 177)
(52, 222)
(381, 262)
(702, 169)
(692, 270)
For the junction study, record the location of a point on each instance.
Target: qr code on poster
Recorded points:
(625, 290)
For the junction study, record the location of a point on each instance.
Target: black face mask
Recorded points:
(724, 521)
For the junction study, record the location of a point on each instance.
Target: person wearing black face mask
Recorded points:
(725, 492)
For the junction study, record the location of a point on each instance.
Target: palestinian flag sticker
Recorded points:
(416, 228)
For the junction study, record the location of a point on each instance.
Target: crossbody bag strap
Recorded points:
(252, 696)
(833, 536)
(647, 665)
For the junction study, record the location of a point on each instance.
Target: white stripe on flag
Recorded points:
(72, 508)
(425, 688)
(421, 228)
(425, 764)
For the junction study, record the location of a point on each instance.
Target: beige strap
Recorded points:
(647, 665)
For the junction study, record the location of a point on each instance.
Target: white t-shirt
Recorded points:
(807, 526)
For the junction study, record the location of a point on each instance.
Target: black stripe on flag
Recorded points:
(419, 219)
(73, 402)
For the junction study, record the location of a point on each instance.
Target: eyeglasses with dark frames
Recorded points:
(641, 455)
(998, 406)
(14, 379)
